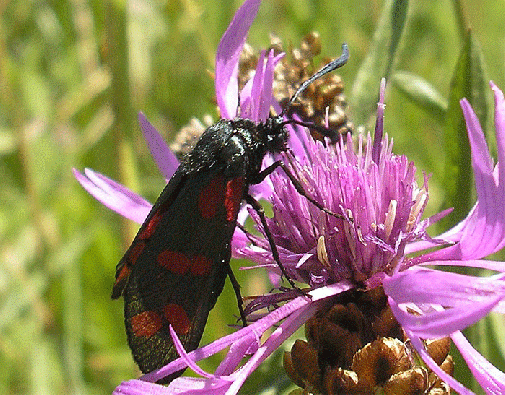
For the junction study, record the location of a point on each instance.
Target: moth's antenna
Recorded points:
(339, 62)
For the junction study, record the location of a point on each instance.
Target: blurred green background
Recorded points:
(74, 74)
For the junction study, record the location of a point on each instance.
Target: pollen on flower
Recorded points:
(390, 217)
(322, 254)
(420, 198)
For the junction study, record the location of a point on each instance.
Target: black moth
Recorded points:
(177, 264)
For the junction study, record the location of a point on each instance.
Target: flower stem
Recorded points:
(116, 28)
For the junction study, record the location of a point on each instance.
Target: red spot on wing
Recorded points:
(178, 318)
(148, 231)
(200, 265)
(211, 197)
(135, 251)
(125, 267)
(174, 261)
(146, 323)
(123, 274)
(234, 195)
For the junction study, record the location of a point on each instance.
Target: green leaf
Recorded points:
(379, 61)
(468, 82)
(422, 93)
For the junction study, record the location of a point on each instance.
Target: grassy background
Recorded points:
(74, 74)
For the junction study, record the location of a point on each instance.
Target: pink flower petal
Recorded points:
(499, 121)
(183, 385)
(443, 323)
(426, 286)
(198, 386)
(261, 92)
(486, 374)
(184, 355)
(236, 354)
(164, 158)
(456, 385)
(227, 57)
(285, 330)
(254, 104)
(483, 231)
(114, 196)
(478, 263)
(139, 387)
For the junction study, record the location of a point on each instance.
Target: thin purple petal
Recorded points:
(483, 231)
(235, 356)
(426, 286)
(256, 96)
(114, 196)
(199, 386)
(379, 125)
(481, 159)
(478, 263)
(267, 97)
(181, 386)
(165, 159)
(486, 374)
(184, 355)
(285, 330)
(227, 57)
(456, 385)
(257, 89)
(138, 387)
(472, 242)
(499, 121)
(443, 323)
(262, 86)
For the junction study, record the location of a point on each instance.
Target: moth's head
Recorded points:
(275, 134)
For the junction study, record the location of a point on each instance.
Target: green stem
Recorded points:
(123, 126)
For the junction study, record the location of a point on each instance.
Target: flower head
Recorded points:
(376, 195)
(382, 205)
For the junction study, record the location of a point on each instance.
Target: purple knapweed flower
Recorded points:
(377, 194)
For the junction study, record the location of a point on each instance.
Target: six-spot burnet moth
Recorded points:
(177, 264)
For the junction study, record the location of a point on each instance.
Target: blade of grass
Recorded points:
(379, 61)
